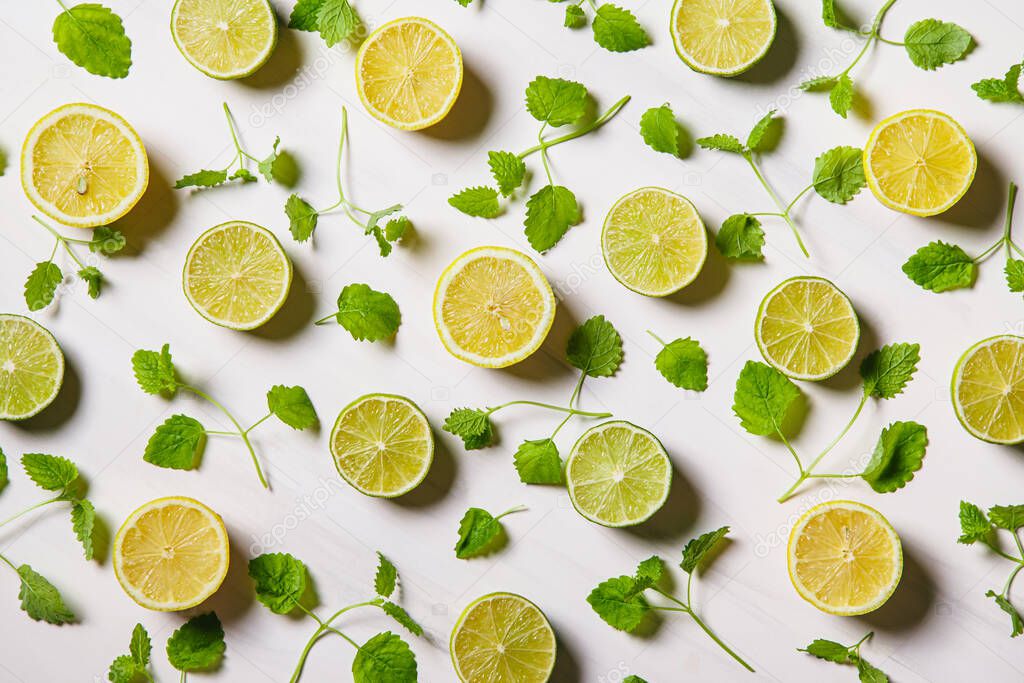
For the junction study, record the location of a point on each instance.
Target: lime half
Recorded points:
(31, 367)
(503, 638)
(807, 329)
(722, 37)
(237, 275)
(988, 389)
(382, 445)
(618, 474)
(654, 242)
(224, 38)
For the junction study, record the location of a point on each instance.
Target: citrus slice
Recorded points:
(844, 558)
(919, 162)
(237, 275)
(503, 638)
(654, 242)
(409, 73)
(618, 474)
(493, 307)
(224, 38)
(31, 367)
(83, 165)
(171, 554)
(807, 329)
(382, 445)
(988, 389)
(722, 37)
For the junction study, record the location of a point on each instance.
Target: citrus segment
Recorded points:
(503, 638)
(988, 389)
(722, 37)
(224, 38)
(31, 367)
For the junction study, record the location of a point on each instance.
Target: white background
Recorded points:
(938, 626)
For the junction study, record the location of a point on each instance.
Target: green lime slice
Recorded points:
(31, 367)
(224, 39)
(503, 638)
(988, 389)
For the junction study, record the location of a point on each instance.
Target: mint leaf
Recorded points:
(887, 370)
(176, 444)
(974, 525)
(763, 398)
(304, 15)
(1009, 517)
(243, 174)
(40, 599)
(575, 17)
(508, 171)
(4, 478)
(202, 178)
(292, 406)
(1016, 622)
(302, 218)
(698, 548)
(83, 521)
(550, 212)
(479, 532)
(49, 472)
(595, 347)
(723, 143)
(829, 650)
(198, 645)
(839, 174)
(870, 674)
(386, 578)
(41, 285)
(841, 96)
(759, 133)
(619, 602)
(140, 646)
(556, 101)
(659, 129)
(398, 613)
(930, 43)
(633, 679)
(830, 16)
(367, 314)
(1014, 275)
(132, 667)
(267, 164)
(396, 228)
(818, 84)
(650, 571)
(898, 454)
(741, 238)
(538, 462)
(93, 37)
(106, 240)
(481, 202)
(385, 657)
(93, 278)
(617, 30)
(684, 364)
(472, 426)
(154, 371)
(940, 267)
(280, 581)
(336, 20)
(1005, 89)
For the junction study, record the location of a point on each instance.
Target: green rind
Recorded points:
(953, 384)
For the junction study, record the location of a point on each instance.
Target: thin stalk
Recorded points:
(61, 241)
(30, 509)
(1003, 553)
(241, 432)
(239, 152)
(704, 627)
(572, 402)
(9, 564)
(778, 203)
(1009, 580)
(512, 511)
(326, 319)
(872, 35)
(1008, 222)
(561, 409)
(597, 123)
(789, 207)
(181, 679)
(258, 422)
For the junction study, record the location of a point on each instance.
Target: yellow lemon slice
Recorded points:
(503, 638)
(722, 37)
(919, 162)
(83, 165)
(31, 367)
(171, 554)
(224, 38)
(409, 73)
(493, 307)
(988, 389)
(844, 558)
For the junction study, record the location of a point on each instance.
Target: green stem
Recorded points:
(341, 149)
(561, 409)
(241, 432)
(30, 509)
(572, 402)
(182, 678)
(258, 422)
(61, 241)
(789, 207)
(700, 622)
(305, 653)
(872, 35)
(988, 252)
(9, 563)
(512, 511)
(326, 319)
(656, 338)
(240, 153)
(1002, 553)
(597, 123)
(1011, 200)
(778, 203)
(1009, 580)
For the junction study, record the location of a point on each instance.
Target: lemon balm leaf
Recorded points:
(741, 238)
(974, 525)
(617, 29)
(763, 398)
(839, 174)
(49, 472)
(550, 212)
(759, 134)
(83, 522)
(829, 650)
(897, 456)
(107, 240)
(292, 406)
(204, 178)
(176, 444)
(198, 645)
(684, 364)
(367, 314)
(538, 462)
(41, 285)
(480, 202)
(302, 217)
(660, 131)
(840, 97)
(619, 601)
(932, 43)
(650, 571)
(595, 347)
(154, 371)
(40, 599)
(940, 267)
(385, 657)
(386, 578)
(1005, 89)
(556, 101)
(4, 476)
(336, 20)
(887, 371)
(1016, 621)
(575, 17)
(93, 37)
(279, 580)
(1008, 517)
(473, 426)
(304, 15)
(93, 279)
(508, 171)
(723, 142)
(698, 548)
(398, 613)
(478, 532)
(1014, 275)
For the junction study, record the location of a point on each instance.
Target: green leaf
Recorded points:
(92, 277)
(841, 96)
(106, 240)
(550, 212)
(1009, 517)
(741, 238)
(140, 646)
(759, 133)
(40, 599)
(336, 21)
(386, 578)
(763, 398)
(304, 15)
(280, 581)
(974, 525)
(124, 670)
(538, 462)
(829, 15)
(302, 218)
(650, 571)
(829, 650)
(556, 101)
(266, 166)
(698, 548)
(575, 17)
(617, 30)
(198, 645)
(4, 478)
(723, 143)
(83, 522)
(619, 602)
(398, 613)
(940, 267)
(384, 658)
(292, 406)
(367, 314)
(839, 174)
(472, 426)
(49, 472)
(660, 131)
(898, 454)
(595, 347)
(481, 202)
(396, 228)
(243, 174)
(478, 531)
(818, 84)
(869, 674)
(176, 444)
(1016, 622)
(154, 371)
(41, 285)
(93, 37)
(202, 178)
(1005, 89)
(508, 171)
(684, 364)
(932, 43)
(1014, 274)
(633, 679)
(887, 370)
